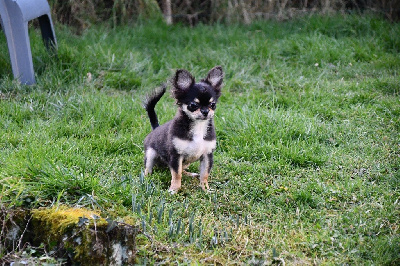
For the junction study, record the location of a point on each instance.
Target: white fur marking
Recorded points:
(197, 147)
(151, 154)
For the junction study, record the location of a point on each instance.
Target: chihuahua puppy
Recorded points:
(190, 135)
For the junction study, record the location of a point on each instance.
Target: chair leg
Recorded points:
(20, 51)
(47, 32)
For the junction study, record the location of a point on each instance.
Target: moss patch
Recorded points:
(57, 221)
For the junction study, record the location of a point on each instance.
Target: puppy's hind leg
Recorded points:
(190, 174)
(186, 173)
(149, 160)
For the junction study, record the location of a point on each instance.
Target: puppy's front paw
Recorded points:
(173, 190)
(204, 186)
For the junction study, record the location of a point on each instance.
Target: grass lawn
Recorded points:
(307, 163)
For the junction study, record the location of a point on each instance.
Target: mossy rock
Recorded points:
(83, 237)
(78, 235)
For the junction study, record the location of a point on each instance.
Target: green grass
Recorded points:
(307, 164)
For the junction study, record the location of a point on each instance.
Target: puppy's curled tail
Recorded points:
(150, 104)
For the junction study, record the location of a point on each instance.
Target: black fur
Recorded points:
(150, 104)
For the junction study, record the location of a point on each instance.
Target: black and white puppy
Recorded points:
(190, 135)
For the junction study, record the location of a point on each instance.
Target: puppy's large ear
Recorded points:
(215, 77)
(182, 80)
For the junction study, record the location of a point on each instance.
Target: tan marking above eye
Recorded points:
(211, 100)
(196, 100)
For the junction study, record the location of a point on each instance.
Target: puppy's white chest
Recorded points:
(193, 149)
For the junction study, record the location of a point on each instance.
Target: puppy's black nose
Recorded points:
(204, 112)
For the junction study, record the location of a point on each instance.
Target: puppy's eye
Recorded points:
(213, 106)
(193, 106)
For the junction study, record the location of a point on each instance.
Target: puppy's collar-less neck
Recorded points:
(192, 126)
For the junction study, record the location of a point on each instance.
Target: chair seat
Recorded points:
(15, 15)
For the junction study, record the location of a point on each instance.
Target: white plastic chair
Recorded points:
(15, 15)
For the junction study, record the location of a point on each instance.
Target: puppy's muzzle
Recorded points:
(204, 111)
